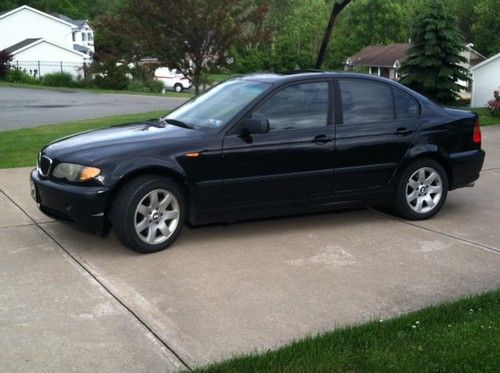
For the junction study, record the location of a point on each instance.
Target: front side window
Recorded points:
(366, 102)
(83, 36)
(216, 107)
(90, 37)
(300, 106)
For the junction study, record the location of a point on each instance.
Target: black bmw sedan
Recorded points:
(262, 145)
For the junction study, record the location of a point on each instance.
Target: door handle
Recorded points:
(322, 139)
(403, 131)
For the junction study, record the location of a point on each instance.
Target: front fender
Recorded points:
(135, 165)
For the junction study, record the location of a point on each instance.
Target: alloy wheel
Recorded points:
(424, 190)
(156, 216)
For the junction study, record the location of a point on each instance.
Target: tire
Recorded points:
(142, 224)
(178, 88)
(421, 191)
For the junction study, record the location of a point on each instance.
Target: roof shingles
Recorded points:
(380, 56)
(21, 44)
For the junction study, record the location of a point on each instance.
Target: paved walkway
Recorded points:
(25, 107)
(72, 301)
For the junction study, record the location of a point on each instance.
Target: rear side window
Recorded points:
(406, 106)
(366, 102)
(300, 106)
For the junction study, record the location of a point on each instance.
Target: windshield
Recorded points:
(215, 108)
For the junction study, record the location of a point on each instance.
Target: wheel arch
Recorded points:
(433, 153)
(150, 170)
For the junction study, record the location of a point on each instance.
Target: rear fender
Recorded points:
(420, 151)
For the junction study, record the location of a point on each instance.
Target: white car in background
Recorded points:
(172, 79)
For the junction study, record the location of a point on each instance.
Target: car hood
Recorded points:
(120, 138)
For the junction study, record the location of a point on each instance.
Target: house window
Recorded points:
(84, 36)
(74, 37)
(89, 36)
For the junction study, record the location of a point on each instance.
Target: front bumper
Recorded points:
(82, 205)
(465, 167)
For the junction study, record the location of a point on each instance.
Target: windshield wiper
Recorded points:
(176, 122)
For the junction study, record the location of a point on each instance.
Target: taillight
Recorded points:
(476, 135)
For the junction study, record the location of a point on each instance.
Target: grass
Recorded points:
(97, 90)
(19, 148)
(463, 336)
(485, 117)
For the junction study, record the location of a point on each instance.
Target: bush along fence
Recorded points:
(37, 69)
(76, 75)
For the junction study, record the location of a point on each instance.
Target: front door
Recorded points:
(376, 128)
(294, 160)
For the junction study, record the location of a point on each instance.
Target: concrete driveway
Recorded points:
(24, 107)
(73, 301)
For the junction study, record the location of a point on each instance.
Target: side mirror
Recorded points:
(251, 125)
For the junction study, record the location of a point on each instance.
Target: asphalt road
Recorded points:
(71, 299)
(24, 107)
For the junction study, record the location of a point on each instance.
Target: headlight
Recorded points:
(75, 172)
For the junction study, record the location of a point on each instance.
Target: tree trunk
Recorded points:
(337, 8)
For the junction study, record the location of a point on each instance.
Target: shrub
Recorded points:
(138, 86)
(20, 76)
(111, 76)
(152, 86)
(5, 59)
(86, 83)
(59, 80)
(155, 86)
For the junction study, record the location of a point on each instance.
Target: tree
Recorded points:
(72, 8)
(364, 23)
(486, 26)
(293, 31)
(433, 65)
(338, 6)
(5, 60)
(192, 36)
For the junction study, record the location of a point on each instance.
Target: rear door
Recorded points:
(375, 127)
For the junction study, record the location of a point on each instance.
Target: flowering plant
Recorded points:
(494, 105)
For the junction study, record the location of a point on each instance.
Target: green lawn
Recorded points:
(457, 337)
(18, 148)
(97, 90)
(485, 118)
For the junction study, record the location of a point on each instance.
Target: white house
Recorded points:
(27, 53)
(83, 35)
(485, 80)
(42, 43)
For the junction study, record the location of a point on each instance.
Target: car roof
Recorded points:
(278, 78)
(295, 75)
